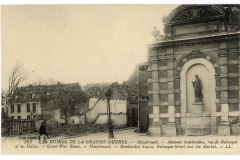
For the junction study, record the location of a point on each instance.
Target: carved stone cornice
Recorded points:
(216, 38)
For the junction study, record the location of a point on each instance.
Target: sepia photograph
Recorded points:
(87, 79)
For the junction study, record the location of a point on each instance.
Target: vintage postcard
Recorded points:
(120, 79)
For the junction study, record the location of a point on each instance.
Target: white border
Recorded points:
(120, 2)
(63, 157)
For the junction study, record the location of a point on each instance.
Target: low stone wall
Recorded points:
(117, 119)
(100, 107)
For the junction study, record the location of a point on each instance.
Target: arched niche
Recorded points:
(204, 69)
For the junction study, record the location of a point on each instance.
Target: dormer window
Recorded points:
(15, 98)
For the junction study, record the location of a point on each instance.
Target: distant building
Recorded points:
(132, 105)
(4, 103)
(30, 102)
(143, 97)
(138, 108)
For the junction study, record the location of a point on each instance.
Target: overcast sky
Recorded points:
(78, 43)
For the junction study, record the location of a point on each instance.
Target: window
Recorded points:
(19, 117)
(2, 102)
(34, 117)
(12, 108)
(28, 107)
(28, 117)
(12, 117)
(34, 107)
(2, 110)
(19, 108)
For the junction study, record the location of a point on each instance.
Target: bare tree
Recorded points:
(51, 81)
(96, 90)
(17, 76)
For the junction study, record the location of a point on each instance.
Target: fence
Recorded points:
(19, 126)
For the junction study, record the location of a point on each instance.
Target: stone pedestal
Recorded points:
(179, 130)
(171, 130)
(198, 107)
(155, 130)
(234, 129)
(224, 126)
(200, 131)
(224, 129)
(197, 123)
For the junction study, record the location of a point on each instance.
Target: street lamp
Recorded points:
(110, 128)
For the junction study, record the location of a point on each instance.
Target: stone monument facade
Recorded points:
(195, 72)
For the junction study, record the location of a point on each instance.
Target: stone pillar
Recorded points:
(224, 126)
(239, 86)
(214, 127)
(171, 126)
(155, 88)
(155, 129)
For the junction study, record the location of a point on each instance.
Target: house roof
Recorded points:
(65, 92)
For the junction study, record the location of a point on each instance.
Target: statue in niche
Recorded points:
(197, 85)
